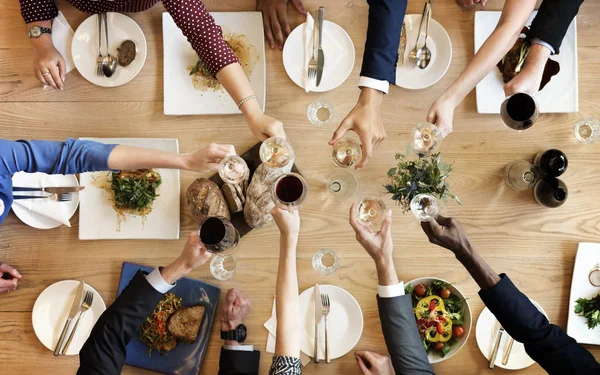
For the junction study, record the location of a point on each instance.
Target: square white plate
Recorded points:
(99, 221)
(181, 97)
(560, 95)
(588, 255)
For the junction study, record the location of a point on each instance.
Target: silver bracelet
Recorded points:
(245, 100)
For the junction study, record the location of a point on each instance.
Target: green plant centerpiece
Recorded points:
(426, 175)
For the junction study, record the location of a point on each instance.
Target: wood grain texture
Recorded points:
(535, 246)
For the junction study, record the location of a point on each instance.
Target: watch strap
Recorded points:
(238, 334)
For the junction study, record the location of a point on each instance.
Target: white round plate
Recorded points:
(85, 48)
(434, 357)
(344, 322)
(486, 333)
(338, 50)
(38, 213)
(440, 46)
(51, 310)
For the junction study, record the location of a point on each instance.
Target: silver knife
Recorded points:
(318, 316)
(496, 346)
(52, 190)
(75, 306)
(320, 56)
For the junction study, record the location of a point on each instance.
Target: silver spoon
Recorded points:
(109, 64)
(424, 54)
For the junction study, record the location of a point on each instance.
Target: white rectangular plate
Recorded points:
(560, 95)
(588, 255)
(181, 97)
(97, 218)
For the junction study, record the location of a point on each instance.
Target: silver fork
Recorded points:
(326, 308)
(87, 303)
(412, 56)
(65, 197)
(100, 58)
(312, 64)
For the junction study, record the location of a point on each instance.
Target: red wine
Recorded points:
(212, 231)
(519, 112)
(550, 192)
(289, 189)
(552, 163)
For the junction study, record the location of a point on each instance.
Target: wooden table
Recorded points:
(535, 246)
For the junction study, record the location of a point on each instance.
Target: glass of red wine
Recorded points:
(519, 111)
(218, 235)
(289, 191)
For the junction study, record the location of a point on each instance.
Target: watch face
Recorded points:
(36, 31)
(241, 331)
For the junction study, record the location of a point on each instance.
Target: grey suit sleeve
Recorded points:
(402, 336)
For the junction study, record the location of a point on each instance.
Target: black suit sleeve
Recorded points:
(545, 343)
(237, 362)
(104, 351)
(383, 38)
(553, 20)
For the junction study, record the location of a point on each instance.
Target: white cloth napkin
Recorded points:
(271, 326)
(308, 51)
(62, 37)
(48, 209)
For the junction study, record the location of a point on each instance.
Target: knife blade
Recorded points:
(53, 190)
(318, 317)
(75, 307)
(495, 350)
(320, 55)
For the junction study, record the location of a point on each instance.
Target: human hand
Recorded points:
(441, 114)
(365, 120)
(234, 309)
(48, 64)
(372, 363)
(264, 127)
(194, 255)
(9, 278)
(207, 158)
(275, 19)
(379, 244)
(465, 4)
(530, 77)
(288, 222)
(446, 232)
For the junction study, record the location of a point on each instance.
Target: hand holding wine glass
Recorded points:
(208, 158)
(378, 244)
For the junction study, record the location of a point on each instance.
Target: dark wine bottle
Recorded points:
(551, 163)
(550, 192)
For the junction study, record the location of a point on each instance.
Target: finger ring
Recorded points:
(45, 74)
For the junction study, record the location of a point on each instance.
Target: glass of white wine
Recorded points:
(346, 152)
(425, 139)
(371, 212)
(276, 152)
(233, 170)
(425, 207)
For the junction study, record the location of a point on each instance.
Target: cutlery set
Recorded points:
(497, 345)
(57, 194)
(316, 63)
(421, 56)
(322, 308)
(81, 303)
(106, 65)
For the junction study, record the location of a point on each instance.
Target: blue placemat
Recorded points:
(185, 359)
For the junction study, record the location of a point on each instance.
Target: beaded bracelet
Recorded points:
(245, 100)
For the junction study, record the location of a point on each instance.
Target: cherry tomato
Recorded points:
(445, 293)
(458, 331)
(420, 290)
(439, 346)
(439, 328)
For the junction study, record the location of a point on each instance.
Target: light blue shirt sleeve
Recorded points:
(69, 157)
(547, 45)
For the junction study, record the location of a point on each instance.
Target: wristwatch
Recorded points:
(238, 334)
(37, 31)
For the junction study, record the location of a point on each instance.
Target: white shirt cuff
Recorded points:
(241, 348)
(373, 83)
(539, 41)
(390, 291)
(156, 280)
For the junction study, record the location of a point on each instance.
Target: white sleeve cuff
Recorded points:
(373, 83)
(156, 280)
(539, 41)
(390, 291)
(241, 348)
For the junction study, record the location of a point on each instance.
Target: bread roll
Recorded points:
(205, 199)
(257, 211)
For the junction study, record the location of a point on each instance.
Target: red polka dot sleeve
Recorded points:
(38, 10)
(202, 32)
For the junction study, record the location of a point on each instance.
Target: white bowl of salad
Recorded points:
(443, 316)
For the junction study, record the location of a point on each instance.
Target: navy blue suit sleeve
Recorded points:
(383, 38)
(546, 343)
(238, 362)
(553, 20)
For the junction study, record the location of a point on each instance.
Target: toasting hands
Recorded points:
(378, 244)
(372, 363)
(441, 114)
(208, 158)
(194, 255)
(446, 232)
(288, 222)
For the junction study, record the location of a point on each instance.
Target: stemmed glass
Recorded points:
(289, 191)
(342, 184)
(346, 152)
(276, 152)
(218, 235)
(233, 170)
(519, 111)
(425, 207)
(425, 139)
(371, 212)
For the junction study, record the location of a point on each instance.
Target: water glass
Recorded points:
(588, 131)
(223, 267)
(325, 262)
(320, 113)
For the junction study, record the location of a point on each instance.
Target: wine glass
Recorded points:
(371, 212)
(219, 235)
(425, 207)
(346, 152)
(519, 111)
(342, 184)
(289, 191)
(276, 152)
(425, 139)
(520, 175)
(233, 170)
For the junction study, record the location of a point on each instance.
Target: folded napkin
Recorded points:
(271, 326)
(308, 51)
(62, 37)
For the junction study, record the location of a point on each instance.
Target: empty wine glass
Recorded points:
(289, 191)
(346, 152)
(223, 267)
(425, 139)
(371, 212)
(233, 170)
(276, 152)
(425, 207)
(520, 175)
(219, 235)
(342, 184)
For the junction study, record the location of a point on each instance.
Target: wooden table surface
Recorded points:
(534, 245)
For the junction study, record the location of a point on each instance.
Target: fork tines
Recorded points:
(65, 197)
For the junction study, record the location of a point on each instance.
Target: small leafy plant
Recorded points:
(421, 176)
